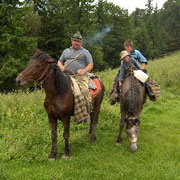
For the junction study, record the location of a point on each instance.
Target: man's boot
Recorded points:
(149, 92)
(114, 95)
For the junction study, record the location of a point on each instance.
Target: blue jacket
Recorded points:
(138, 56)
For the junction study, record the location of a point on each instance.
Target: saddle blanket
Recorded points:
(83, 95)
(95, 92)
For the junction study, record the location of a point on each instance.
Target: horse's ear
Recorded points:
(37, 50)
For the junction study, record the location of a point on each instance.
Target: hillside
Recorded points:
(25, 136)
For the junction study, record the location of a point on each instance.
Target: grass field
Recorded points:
(25, 137)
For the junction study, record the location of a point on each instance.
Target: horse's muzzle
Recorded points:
(20, 81)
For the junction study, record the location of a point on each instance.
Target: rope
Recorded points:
(75, 59)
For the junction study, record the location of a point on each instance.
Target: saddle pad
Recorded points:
(94, 93)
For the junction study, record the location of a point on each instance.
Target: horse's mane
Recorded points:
(132, 101)
(62, 82)
(41, 56)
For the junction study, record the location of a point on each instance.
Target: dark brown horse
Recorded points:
(133, 97)
(59, 100)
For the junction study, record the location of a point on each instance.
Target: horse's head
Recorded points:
(129, 70)
(36, 70)
(132, 129)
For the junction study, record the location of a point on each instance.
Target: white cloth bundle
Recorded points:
(140, 75)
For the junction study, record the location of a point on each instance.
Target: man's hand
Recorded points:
(144, 70)
(61, 66)
(143, 66)
(88, 68)
(81, 71)
(120, 84)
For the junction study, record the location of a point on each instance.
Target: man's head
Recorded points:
(128, 45)
(125, 56)
(76, 40)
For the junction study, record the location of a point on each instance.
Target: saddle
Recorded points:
(83, 96)
(95, 92)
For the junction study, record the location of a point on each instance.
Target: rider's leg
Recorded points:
(149, 92)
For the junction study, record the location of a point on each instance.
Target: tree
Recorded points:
(169, 20)
(15, 44)
(60, 20)
(119, 26)
(141, 36)
(148, 33)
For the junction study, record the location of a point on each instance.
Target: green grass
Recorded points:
(25, 137)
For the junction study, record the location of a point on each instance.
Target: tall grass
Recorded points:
(166, 72)
(25, 136)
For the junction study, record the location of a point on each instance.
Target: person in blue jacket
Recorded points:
(135, 54)
(141, 62)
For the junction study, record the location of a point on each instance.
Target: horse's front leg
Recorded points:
(66, 124)
(94, 121)
(133, 135)
(93, 124)
(53, 124)
(122, 120)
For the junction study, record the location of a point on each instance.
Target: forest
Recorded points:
(49, 26)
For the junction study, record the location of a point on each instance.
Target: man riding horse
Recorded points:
(141, 62)
(61, 99)
(126, 62)
(83, 63)
(78, 62)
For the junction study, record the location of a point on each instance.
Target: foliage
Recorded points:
(49, 25)
(119, 24)
(159, 28)
(15, 44)
(170, 22)
(60, 20)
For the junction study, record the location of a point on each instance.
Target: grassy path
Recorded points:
(158, 156)
(25, 137)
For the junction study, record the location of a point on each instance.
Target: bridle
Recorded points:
(43, 77)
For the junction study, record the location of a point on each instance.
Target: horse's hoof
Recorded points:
(133, 148)
(118, 144)
(65, 156)
(52, 156)
(93, 139)
(51, 159)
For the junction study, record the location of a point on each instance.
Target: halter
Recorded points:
(41, 80)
